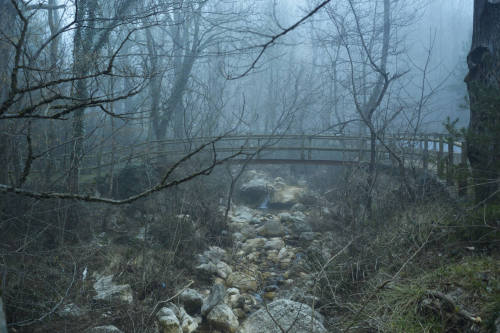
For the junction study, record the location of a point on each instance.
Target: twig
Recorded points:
(274, 38)
(385, 283)
(450, 304)
(54, 308)
(156, 308)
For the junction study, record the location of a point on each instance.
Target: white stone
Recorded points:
(222, 317)
(107, 290)
(275, 243)
(104, 329)
(168, 321)
(252, 244)
(292, 316)
(223, 270)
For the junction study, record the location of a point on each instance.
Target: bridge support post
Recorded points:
(302, 151)
(425, 162)
(440, 162)
(258, 149)
(309, 152)
(449, 170)
(463, 172)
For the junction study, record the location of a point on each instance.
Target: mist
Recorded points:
(241, 166)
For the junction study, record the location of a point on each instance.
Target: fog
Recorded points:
(247, 166)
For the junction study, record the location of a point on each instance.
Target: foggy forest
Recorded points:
(249, 166)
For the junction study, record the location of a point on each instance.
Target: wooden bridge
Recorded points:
(436, 152)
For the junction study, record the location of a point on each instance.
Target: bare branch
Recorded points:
(274, 38)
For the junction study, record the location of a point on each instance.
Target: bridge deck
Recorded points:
(432, 151)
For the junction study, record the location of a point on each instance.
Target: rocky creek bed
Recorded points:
(259, 284)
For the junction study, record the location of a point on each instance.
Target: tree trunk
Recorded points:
(3, 323)
(483, 84)
(8, 17)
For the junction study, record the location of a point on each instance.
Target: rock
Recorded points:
(192, 301)
(285, 196)
(188, 323)
(297, 222)
(248, 231)
(285, 256)
(103, 329)
(216, 296)
(222, 318)
(271, 228)
(207, 269)
(214, 254)
(233, 291)
(240, 313)
(108, 291)
(254, 256)
(255, 190)
(272, 256)
(292, 316)
(223, 270)
(236, 301)
(242, 281)
(270, 295)
(241, 214)
(298, 207)
(253, 244)
(274, 244)
(168, 321)
(238, 237)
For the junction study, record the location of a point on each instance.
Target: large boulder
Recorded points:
(192, 301)
(222, 318)
(255, 189)
(107, 290)
(216, 296)
(285, 196)
(292, 317)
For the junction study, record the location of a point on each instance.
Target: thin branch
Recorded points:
(274, 38)
(54, 308)
(158, 187)
(156, 308)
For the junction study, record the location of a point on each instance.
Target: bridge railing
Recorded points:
(429, 151)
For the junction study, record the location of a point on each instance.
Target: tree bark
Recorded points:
(3, 323)
(483, 84)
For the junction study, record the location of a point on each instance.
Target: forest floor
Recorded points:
(295, 253)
